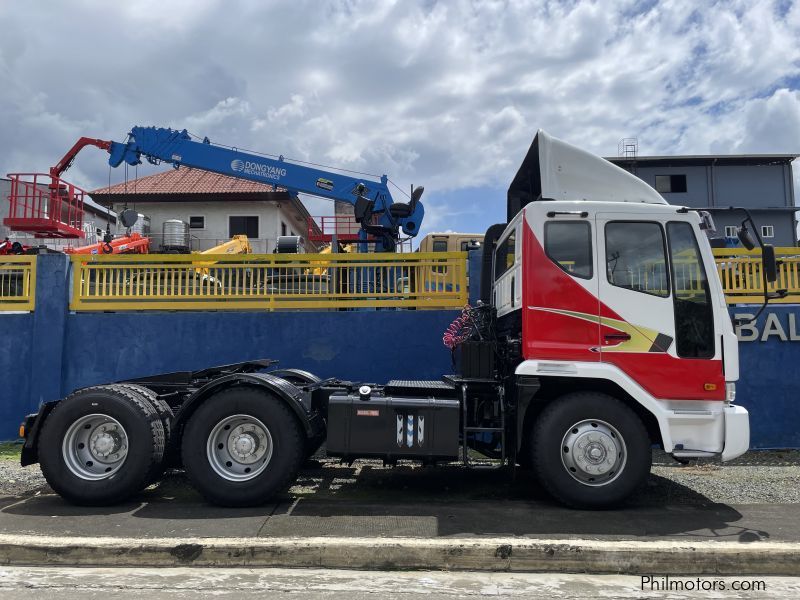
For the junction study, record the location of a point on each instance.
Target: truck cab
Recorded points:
(614, 297)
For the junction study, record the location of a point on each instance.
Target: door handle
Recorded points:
(617, 337)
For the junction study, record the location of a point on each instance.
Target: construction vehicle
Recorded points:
(48, 206)
(450, 242)
(7, 247)
(238, 244)
(587, 348)
(131, 243)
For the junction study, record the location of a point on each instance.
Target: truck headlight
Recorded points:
(730, 392)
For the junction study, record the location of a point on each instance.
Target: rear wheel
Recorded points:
(589, 450)
(164, 411)
(100, 445)
(241, 446)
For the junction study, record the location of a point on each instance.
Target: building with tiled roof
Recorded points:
(215, 206)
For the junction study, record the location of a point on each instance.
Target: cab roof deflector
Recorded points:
(556, 170)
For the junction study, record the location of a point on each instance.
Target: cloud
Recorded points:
(444, 94)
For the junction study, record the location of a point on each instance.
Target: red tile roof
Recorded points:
(187, 181)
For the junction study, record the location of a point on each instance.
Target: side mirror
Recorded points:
(768, 262)
(744, 236)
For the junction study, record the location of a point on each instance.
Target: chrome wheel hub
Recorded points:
(593, 452)
(239, 448)
(95, 447)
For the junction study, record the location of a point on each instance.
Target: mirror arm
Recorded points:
(767, 295)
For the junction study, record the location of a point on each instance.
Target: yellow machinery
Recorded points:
(327, 250)
(238, 244)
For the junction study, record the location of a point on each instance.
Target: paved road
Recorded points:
(24, 583)
(367, 500)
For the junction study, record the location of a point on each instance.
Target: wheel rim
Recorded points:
(239, 448)
(593, 452)
(95, 447)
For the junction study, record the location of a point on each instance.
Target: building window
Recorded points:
(731, 231)
(569, 245)
(465, 246)
(767, 231)
(197, 222)
(671, 184)
(243, 226)
(283, 228)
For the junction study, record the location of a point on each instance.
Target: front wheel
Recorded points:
(241, 447)
(589, 450)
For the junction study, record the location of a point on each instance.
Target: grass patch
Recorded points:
(10, 450)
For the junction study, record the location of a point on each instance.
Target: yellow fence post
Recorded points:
(742, 280)
(17, 283)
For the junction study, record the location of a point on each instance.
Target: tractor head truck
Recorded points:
(602, 331)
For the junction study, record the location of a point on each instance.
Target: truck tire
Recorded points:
(167, 417)
(242, 446)
(161, 407)
(100, 445)
(589, 450)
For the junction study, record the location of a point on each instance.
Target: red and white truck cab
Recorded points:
(610, 284)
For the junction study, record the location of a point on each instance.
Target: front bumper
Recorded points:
(737, 432)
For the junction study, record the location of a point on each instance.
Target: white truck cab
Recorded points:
(608, 283)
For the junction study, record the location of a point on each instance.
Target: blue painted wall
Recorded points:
(769, 385)
(47, 354)
(15, 365)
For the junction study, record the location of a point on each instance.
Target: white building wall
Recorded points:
(216, 231)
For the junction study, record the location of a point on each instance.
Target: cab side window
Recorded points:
(505, 255)
(439, 246)
(569, 245)
(694, 316)
(636, 257)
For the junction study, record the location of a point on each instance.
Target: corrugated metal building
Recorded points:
(762, 183)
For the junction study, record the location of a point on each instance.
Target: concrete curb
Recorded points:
(475, 554)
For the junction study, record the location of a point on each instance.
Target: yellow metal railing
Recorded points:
(742, 279)
(17, 283)
(268, 281)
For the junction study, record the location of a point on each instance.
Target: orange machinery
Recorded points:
(133, 243)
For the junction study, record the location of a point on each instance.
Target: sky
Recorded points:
(445, 94)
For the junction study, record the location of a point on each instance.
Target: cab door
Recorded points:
(654, 278)
(561, 319)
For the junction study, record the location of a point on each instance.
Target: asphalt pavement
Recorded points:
(368, 500)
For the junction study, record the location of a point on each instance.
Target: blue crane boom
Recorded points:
(374, 206)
